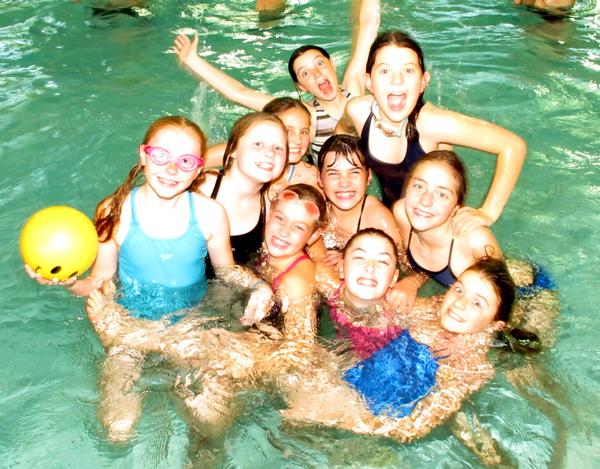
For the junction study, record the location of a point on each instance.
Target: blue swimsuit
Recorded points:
(395, 378)
(160, 276)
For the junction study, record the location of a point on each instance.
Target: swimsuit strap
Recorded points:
(215, 191)
(134, 219)
(450, 254)
(192, 209)
(362, 207)
(279, 278)
(291, 175)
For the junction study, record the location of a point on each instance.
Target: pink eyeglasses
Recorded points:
(161, 157)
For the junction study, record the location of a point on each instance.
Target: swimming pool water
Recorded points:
(76, 94)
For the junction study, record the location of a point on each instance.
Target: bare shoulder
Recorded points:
(208, 207)
(208, 184)
(359, 106)
(482, 242)
(375, 210)
(300, 282)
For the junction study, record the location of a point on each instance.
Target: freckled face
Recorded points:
(168, 181)
(396, 81)
(316, 75)
(369, 269)
(289, 228)
(261, 152)
(430, 198)
(297, 123)
(470, 305)
(344, 184)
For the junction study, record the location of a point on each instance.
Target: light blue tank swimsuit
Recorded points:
(160, 276)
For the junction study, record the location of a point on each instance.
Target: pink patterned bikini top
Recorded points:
(364, 340)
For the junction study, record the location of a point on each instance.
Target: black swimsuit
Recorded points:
(391, 175)
(444, 276)
(245, 246)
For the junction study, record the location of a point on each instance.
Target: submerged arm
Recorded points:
(452, 388)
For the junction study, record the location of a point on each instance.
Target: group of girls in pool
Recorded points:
(309, 233)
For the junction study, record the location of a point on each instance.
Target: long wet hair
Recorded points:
(242, 126)
(309, 193)
(346, 146)
(374, 232)
(107, 217)
(453, 162)
(400, 39)
(516, 339)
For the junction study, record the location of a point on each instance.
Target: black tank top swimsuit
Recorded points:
(391, 175)
(444, 276)
(245, 246)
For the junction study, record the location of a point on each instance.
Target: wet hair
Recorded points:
(515, 338)
(400, 39)
(309, 193)
(375, 232)
(453, 162)
(297, 53)
(107, 217)
(243, 125)
(345, 146)
(279, 106)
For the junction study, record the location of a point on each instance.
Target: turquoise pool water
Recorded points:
(76, 94)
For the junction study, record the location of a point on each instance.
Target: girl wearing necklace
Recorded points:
(397, 127)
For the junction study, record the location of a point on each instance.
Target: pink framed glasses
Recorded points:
(161, 157)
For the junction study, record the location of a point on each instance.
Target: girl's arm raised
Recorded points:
(443, 126)
(229, 87)
(368, 24)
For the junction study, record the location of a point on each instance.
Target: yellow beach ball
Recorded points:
(59, 242)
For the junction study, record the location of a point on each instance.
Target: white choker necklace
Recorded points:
(385, 128)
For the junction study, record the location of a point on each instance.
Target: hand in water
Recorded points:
(259, 305)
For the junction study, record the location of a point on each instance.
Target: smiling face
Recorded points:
(297, 123)
(369, 269)
(292, 224)
(316, 75)
(431, 196)
(396, 81)
(168, 181)
(344, 182)
(261, 153)
(470, 305)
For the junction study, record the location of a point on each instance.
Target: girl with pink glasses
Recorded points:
(155, 231)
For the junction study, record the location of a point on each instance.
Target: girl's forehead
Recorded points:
(475, 283)
(340, 161)
(435, 171)
(263, 128)
(176, 136)
(392, 53)
(373, 244)
(297, 209)
(295, 116)
(307, 58)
